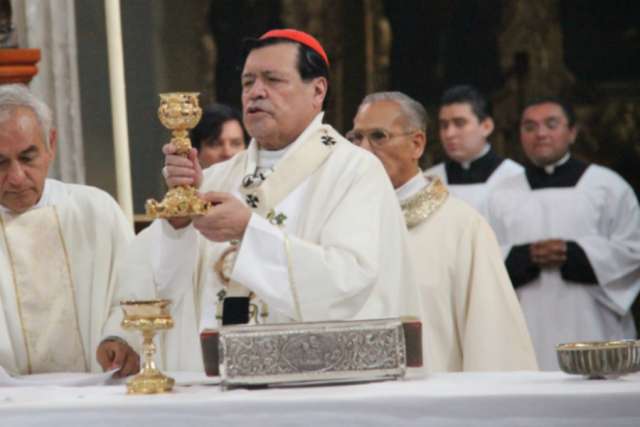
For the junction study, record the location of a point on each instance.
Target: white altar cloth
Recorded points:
(65, 379)
(452, 399)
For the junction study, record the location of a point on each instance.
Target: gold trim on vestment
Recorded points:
(73, 288)
(17, 293)
(71, 284)
(420, 206)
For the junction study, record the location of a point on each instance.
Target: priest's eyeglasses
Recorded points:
(376, 137)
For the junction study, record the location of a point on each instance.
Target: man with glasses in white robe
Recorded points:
(570, 233)
(472, 319)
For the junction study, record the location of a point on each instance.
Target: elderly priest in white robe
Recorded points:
(472, 319)
(305, 226)
(472, 169)
(59, 246)
(570, 233)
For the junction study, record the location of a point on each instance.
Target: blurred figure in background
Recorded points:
(472, 168)
(219, 135)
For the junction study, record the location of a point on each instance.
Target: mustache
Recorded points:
(258, 106)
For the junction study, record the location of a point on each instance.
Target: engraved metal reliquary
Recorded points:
(322, 352)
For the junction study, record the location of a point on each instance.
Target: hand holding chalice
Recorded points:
(179, 111)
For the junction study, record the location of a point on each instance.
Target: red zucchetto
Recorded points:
(300, 37)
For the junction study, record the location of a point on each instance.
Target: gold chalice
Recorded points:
(179, 111)
(148, 317)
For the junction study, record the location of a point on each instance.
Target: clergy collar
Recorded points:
(411, 187)
(45, 200)
(466, 165)
(268, 158)
(478, 171)
(549, 169)
(564, 173)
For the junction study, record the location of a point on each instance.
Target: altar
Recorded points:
(450, 399)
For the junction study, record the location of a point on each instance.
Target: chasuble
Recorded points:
(326, 241)
(475, 181)
(597, 213)
(471, 317)
(58, 266)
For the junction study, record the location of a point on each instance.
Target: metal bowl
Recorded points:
(599, 359)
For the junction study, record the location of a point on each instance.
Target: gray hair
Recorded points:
(16, 96)
(412, 109)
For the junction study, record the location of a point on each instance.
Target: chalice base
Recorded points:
(181, 201)
(150, 382)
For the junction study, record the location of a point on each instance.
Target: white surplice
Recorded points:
(477, 195)
(472, 319)
(93, 233)
(347, 256)
(600, 213)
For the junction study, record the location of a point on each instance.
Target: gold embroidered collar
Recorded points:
(420, 206)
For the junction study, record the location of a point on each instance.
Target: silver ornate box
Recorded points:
(312, 352)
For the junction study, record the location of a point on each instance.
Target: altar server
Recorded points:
(472, 319)
(473, 168)
(570, 232)
(59, 247)
(305, 225)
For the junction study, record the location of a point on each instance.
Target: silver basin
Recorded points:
(599, 359)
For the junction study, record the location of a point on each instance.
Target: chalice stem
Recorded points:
(149, 350)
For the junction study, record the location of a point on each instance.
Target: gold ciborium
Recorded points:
(148, 317)
(179, 111)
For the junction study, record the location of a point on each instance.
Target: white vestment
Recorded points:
(477, 194)
(472, 319)
(600, 213)
(93, 233)
(340, 254)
